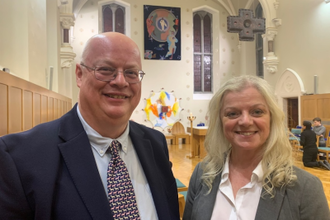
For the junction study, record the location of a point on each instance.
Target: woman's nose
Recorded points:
(245, 119)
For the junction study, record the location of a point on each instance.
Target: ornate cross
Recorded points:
(245, 24)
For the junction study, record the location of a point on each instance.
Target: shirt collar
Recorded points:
(257, 173)
(225, 171)
(100, 143)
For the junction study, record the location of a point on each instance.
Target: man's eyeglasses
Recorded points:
(106, 74)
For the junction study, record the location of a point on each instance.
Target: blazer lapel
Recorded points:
(269, 208)
(79, 159)
(205, 205)
(145, 153)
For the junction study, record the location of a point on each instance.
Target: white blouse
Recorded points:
(244, 207)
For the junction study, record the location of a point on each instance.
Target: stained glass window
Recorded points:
(202, 52)
(113, 18)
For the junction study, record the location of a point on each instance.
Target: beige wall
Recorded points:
(54, 40)
(302, 43)
(24, 38)
(14, 37)
(37, 41)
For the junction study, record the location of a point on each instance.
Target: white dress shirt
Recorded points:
(128, 154)
(244, 206)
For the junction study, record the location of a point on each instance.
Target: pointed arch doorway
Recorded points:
(288, 90)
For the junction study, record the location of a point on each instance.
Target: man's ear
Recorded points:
(79, 75)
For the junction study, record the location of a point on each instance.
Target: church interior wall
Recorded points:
(37, 41)
(54, 40)
(302, 43)
(247, 58)
(29, 46)
(174, 76)
(24, 39)
(14, 37)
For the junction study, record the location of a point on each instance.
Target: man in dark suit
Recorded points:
(58, 170)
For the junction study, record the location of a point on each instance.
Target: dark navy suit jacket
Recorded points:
(49, 172)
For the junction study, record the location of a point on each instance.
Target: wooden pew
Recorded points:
(24, 104)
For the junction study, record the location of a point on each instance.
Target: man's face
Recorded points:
(316, 123)
(111, 102)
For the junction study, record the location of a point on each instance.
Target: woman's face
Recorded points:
(246, 119)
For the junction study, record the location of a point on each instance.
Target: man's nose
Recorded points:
(119, 79)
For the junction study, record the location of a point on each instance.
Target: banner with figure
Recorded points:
(162, 33)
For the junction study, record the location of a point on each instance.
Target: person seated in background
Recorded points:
(308, 141)
(248, 172)
(319, 129)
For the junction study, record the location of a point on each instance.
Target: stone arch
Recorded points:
(269, 10)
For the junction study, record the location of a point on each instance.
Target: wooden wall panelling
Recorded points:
(15, 110)
(316, 106)
(27, 110)
(56, 113)
(60, 107)
(3, 109)
(43, 109)
(308, 108)
(36, 109)
(51, 108)
(326, 108)
(65, 106)
(319, 111)
(24, 104)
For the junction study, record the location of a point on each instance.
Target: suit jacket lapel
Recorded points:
(79, 159)
(269, 208)
(145, 153)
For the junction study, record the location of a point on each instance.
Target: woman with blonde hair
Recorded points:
(248, 172)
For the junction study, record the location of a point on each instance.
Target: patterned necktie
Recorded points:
(120, 189)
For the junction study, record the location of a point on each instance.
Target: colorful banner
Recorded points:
(162, 33)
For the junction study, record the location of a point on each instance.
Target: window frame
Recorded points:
(259, 47)
(127, 14)
(202, 13)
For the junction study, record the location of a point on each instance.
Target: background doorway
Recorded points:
(293, 117)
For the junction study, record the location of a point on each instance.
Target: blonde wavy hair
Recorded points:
(277, 155)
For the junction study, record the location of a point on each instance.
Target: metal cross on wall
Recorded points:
(245, 24)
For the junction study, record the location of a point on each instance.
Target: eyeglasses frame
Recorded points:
(141, 72)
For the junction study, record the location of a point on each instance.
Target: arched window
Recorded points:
(113, 18)
(259, 46)
(202, 25)
(107, 20)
